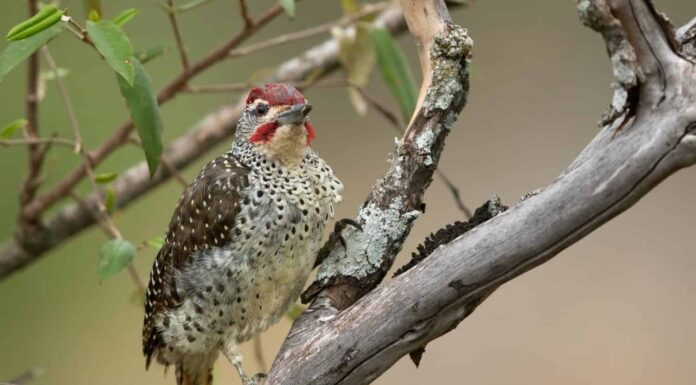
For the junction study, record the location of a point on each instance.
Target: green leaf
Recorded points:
(105, 177)
(43, 20)
(114, 255)
(289, 7)
(156, 243)
(125, 16)
(110, 200)
(114, 45)
(357, 58)
(145, 113)
(11, 128)
(145, 55)
(395, 71)
(19, 50)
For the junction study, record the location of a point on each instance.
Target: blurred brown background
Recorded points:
(615, 308)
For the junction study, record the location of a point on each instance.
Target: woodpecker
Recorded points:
(242, 240)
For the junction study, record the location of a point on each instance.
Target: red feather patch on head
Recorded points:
(276, 94)
(310, 132)
(264, 133)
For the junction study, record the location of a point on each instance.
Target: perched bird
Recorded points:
(242, 240)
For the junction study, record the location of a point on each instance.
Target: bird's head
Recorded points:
(275, 122)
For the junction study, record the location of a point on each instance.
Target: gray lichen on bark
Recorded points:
(451, 46)
(388, 214)
(364, 251)
(686, 36)
(597, 15)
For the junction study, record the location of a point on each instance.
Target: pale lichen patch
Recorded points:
(365, 249)
(386, 217)
(448, 57)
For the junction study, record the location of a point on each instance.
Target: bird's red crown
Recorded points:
(276, 94)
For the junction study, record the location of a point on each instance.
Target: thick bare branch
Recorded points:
(390, 209)
(396, 124)
(135, 182)
(686, 38)
(647, 32)
(355, 345)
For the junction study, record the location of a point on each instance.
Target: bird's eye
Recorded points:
(261, 109)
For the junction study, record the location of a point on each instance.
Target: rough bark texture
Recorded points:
(393, 204)
(648, 134)
(396, 200)
(354, 329)
(135, 182)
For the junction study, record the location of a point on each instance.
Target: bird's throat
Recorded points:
(287, 145)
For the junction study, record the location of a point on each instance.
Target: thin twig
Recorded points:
(366, 10)
(62, 188)
(102, 215)
(65, 98)
(78, 31)
(177, 35)
(31, 131)
(244, 10)
(382, 110)
(165, 163)
(135, 182)
(173, 171)
(396, 125)
(35, 141)
(454, 190)
(244, 86)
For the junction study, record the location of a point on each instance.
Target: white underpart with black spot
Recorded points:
(235, 290)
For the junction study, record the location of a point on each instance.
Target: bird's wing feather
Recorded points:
(202, 219)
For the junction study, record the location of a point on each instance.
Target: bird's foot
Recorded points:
(336, 237)
(255, 380)
(337, 234)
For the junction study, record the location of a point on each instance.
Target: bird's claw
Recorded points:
(343, 223)
(340, 225)
(336, 236)
(255, 380)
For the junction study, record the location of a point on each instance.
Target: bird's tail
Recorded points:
(196, 369)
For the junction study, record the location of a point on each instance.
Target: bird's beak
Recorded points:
(295, 115)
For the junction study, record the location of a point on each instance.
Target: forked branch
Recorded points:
(388, 213)
(338, 341)
(135, 181)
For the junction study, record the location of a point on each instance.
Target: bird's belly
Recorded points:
(236, 292)
(273, 287)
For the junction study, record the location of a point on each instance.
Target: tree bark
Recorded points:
(648, 134)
